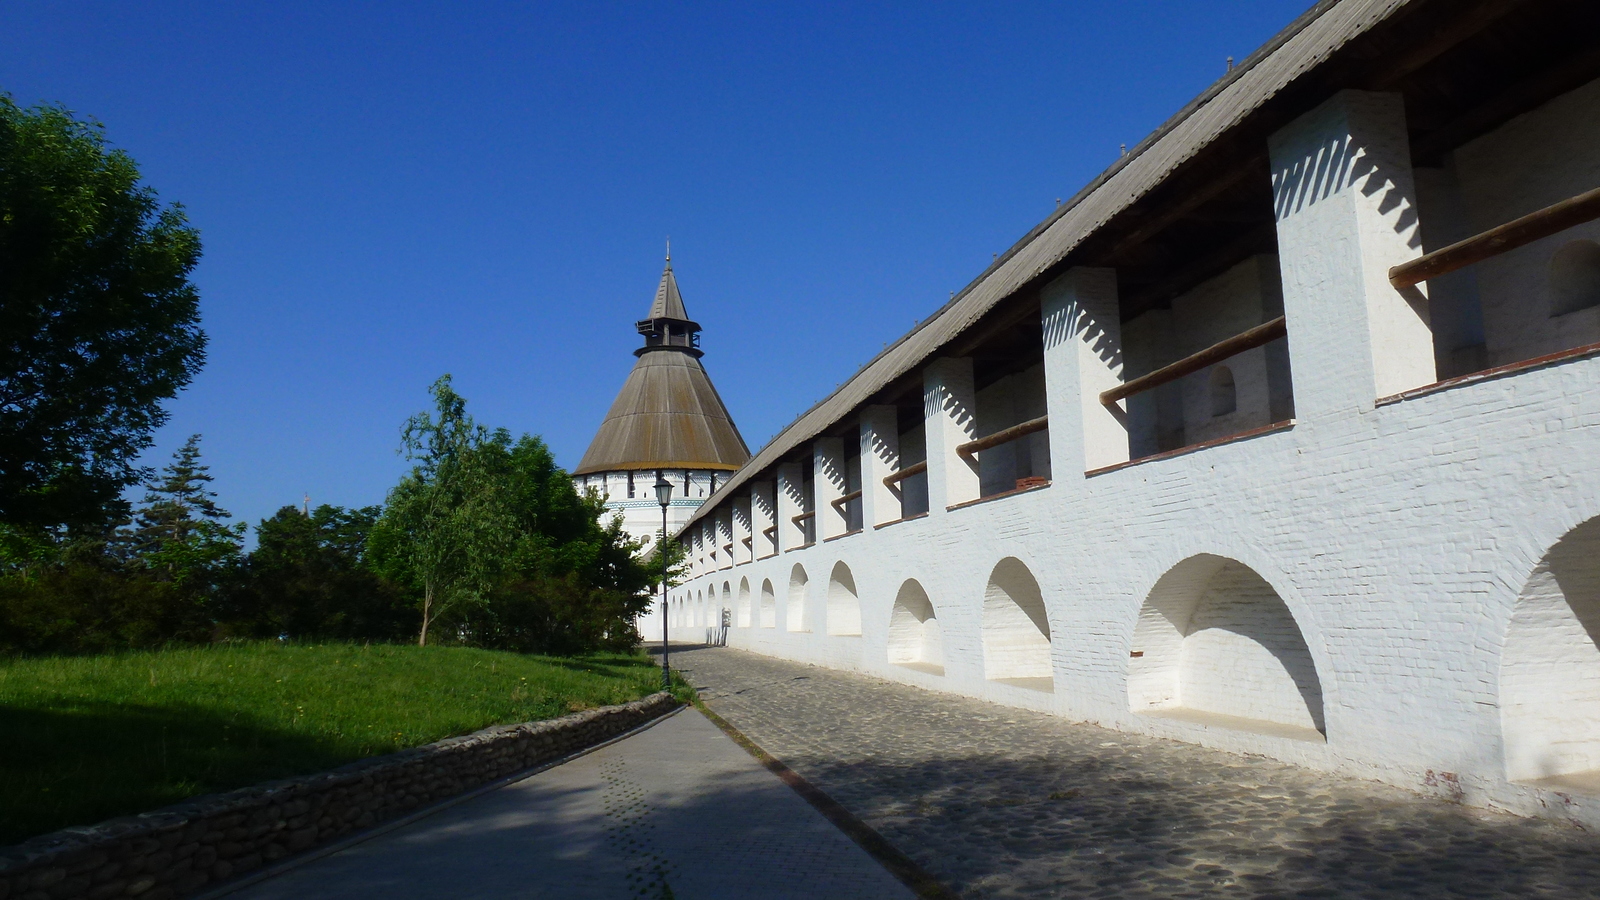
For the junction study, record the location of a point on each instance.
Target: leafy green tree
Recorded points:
(308, 578)
(570, 583)
(444, 529)
(179, 534)
(90, 595)
(498, 544)
(99, 322)
(93, 602)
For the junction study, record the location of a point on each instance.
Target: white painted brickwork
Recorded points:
(1406, 590)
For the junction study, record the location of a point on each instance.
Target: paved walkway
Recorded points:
(676, 811)
(999, 802)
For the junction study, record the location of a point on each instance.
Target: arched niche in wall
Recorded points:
(741, 614)
(1224, 393)
(1016, 631)
(914, 640)
(1550, 668)
(1575, 277)
(794, 604)
(769, 605)
(1215, 643)
(714, 614)
(844, 604)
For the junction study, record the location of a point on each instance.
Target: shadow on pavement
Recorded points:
(996, 801)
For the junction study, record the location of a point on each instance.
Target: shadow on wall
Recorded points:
(795, 606)
(844, 605)
(1216, 642)
(1550, 667)
(1016, 630)
(914, 640)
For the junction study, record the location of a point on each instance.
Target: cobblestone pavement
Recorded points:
(1001, 802)
(678, 810)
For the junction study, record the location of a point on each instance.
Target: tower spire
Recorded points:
(669, 326)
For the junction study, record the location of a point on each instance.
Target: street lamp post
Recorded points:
(664, 497)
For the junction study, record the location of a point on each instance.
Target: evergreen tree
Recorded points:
(179, 533)
(308, 578)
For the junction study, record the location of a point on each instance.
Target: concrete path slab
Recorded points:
(676, 811)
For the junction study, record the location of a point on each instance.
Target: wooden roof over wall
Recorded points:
(1194, 198)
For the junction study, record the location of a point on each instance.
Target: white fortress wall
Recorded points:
(1396, 585)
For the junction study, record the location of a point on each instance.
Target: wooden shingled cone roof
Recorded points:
(667, 415)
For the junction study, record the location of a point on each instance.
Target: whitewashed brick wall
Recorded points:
(1379, 590)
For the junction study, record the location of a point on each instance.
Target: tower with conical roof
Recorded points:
(667, 419)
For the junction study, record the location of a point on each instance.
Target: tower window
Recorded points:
(630, 485)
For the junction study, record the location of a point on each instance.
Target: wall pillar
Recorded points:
(950, 411)
(791, 503)
(1082, 357)
(828, 483)
(744, 544)
(880, 457)
(1346, 206)
(708, 543)
(763, 516)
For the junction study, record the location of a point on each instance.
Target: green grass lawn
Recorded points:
(83, 739)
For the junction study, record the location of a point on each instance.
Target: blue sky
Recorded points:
(388, 192)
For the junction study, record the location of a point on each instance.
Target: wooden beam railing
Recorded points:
(840, 503)
(894, 478)
(802, 517)
(770, 532)
(1516, 233)
(1260, 335)
(1003, 436)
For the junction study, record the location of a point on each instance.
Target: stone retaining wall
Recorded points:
(178, 850)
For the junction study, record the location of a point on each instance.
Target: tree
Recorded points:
(495, 540)
(570, 583)
(99, 322)
(443, 528)
(677, 561)
(308, 578)
(179, 535)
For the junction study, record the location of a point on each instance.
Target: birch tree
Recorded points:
(443, 527)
